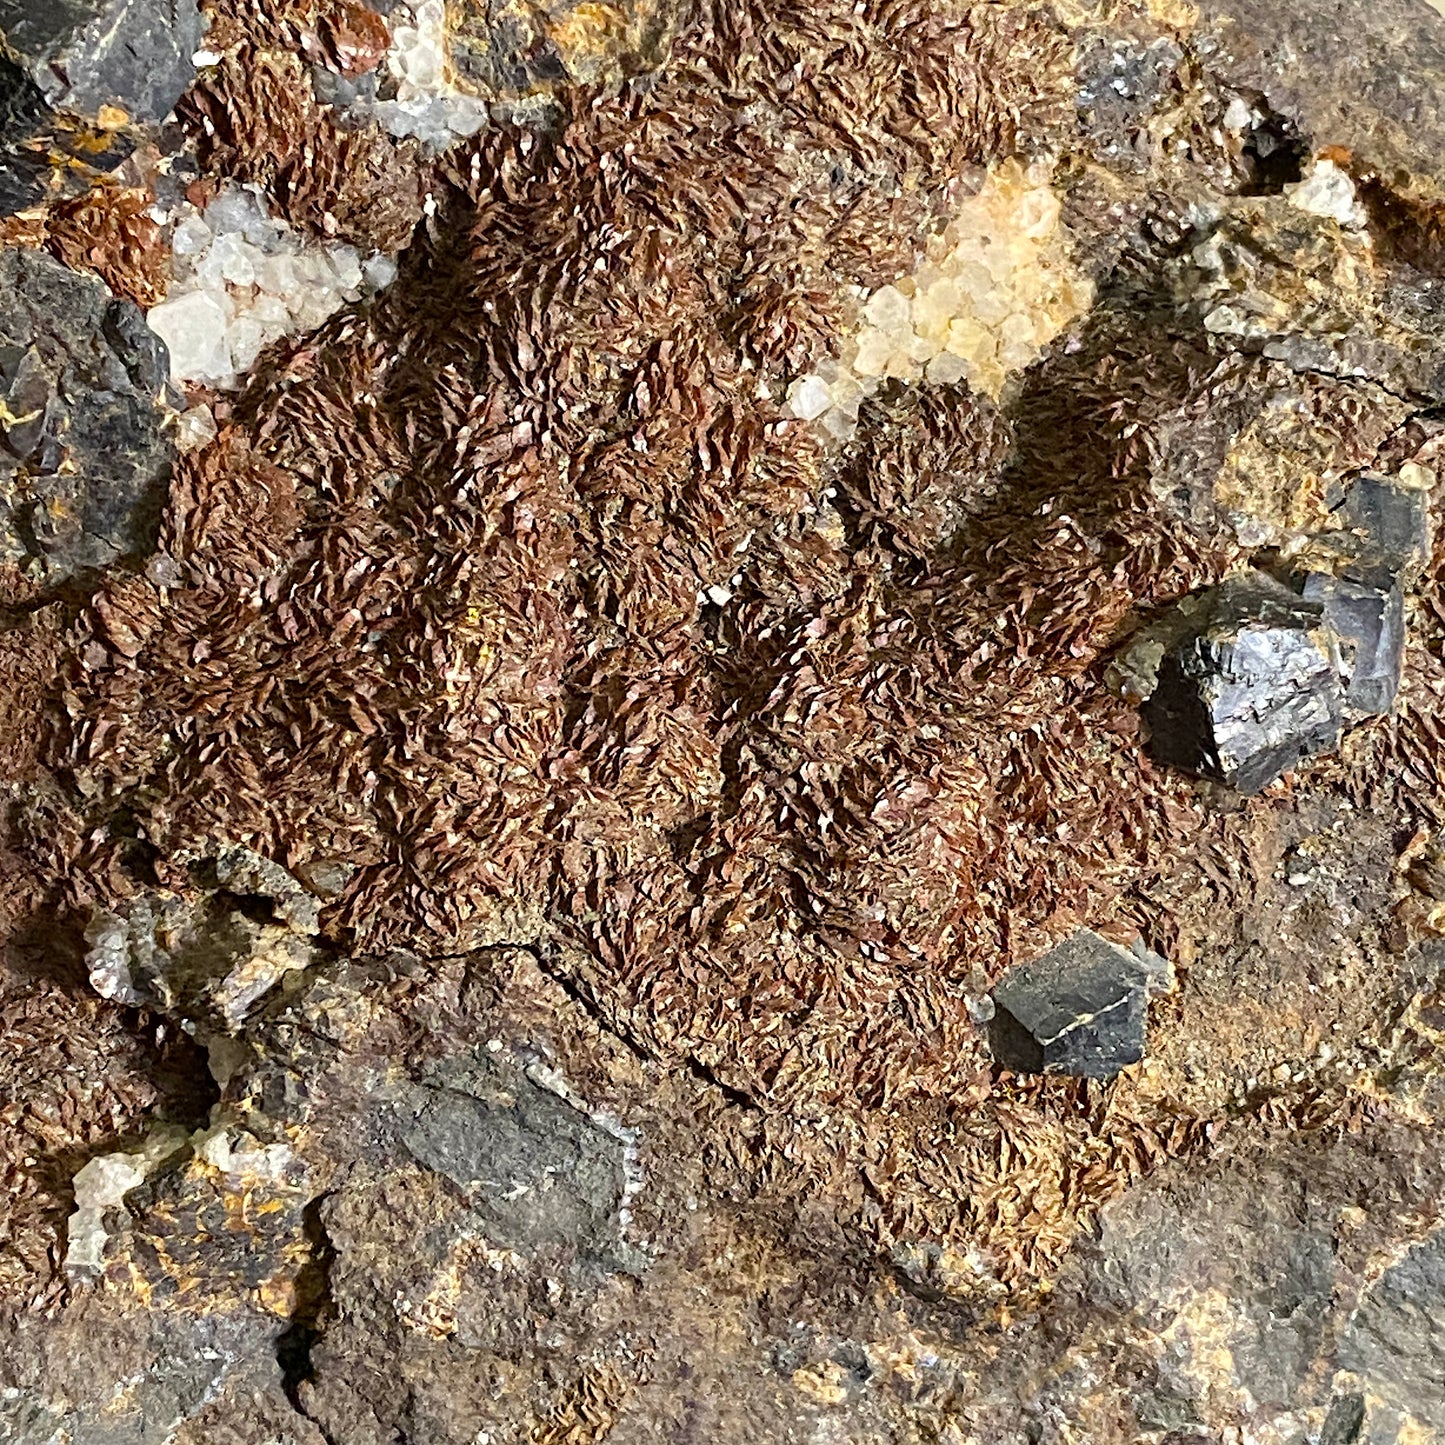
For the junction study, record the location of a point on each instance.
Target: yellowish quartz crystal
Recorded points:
(996, 286)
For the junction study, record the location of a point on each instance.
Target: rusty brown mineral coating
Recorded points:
(435, 611)
(255, 119)
(108, 231)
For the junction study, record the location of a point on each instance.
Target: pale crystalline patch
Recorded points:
(1327, 191)
(415, 95)
(242, 279)
(205, 960)
(100, 1189)
(1238, 116)
(995, 288)
(195, 428)
(236, 1153)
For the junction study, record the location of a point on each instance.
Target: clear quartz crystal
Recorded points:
(426, 103)
(809, 397)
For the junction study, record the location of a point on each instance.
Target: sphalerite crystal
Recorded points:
(83, 459)
(76, 79)
(1078, 1009)
(1382, 527)
(1369, 623)
(1250, 682)
(132, 56)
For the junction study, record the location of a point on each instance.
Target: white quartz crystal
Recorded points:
(242, 278)
(1237, 115)
(426, 104)
(1327, 191)
(193, 327)
(809, 397)
(235, 1151)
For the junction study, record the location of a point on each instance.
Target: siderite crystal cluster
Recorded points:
(721, 721)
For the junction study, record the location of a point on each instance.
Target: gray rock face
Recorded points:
(22, 113)
(83, 54)
(1119, 85)
(61, 63)
(177, 1366)
(1252, 685)
(1395, 1341)
(83, 462)
(208, 959)
(1079, 1009)
(1377, 535)
(534, 1168)
(1387, 525)
(1389, 113)
(1305, 1273)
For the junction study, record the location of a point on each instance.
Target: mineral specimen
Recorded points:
(643, 789)
(997, 285)
(1120, 83)
(1369, 623)
(77, 79)
(242, 279)
(22, 115)
(1394, 1344)
(100, 1188)
(412, 94)
(1079, 1009)
(450, 62)
(517, 48)
(536, 1170)
(130, 56)
(1249, 682)
(206, 962)
(84, 461)
(1327, 191)
(1266, 452)
(1382, 526)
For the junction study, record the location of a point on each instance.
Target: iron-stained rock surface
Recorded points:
(559, 851)
(516, 48)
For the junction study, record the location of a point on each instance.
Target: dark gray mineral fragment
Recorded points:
(22, 116)
(1395, 1341)
(83, 461)
(1079, 1009)
(1383, 528)
(134, 55)
(1369, 623)
(534, 1168)
(1249, 683)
